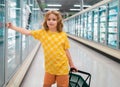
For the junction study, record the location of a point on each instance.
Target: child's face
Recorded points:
(52, 21)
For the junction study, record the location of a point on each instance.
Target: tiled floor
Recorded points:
(105, 72)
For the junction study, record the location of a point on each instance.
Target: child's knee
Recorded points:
(60, 85)
(47, 85)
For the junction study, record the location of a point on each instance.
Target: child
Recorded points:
(55, 44)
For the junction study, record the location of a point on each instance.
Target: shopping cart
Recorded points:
(79, 79)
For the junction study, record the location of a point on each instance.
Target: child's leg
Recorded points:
(49, 79)
(62, 80)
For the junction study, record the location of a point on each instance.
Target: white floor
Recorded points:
(105, 72)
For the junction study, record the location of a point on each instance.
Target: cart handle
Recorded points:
(73, 69)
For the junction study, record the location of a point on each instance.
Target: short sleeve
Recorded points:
(37, 34)
(67, 45)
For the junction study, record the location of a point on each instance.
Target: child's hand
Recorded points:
(73, 69)
(9, 25)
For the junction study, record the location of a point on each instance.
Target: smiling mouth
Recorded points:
(51, 24)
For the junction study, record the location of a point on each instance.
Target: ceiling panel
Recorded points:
(66, 4)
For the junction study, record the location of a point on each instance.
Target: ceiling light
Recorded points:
(83, 5)
(86, 5)
(74, 9)
(51, 9)
(54, 5)
(76, 5)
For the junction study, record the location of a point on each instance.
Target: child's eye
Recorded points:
(54, 19)
(51, 19)
(48, 19)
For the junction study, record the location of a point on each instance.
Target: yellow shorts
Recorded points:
(61, 80)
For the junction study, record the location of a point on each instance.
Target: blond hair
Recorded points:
(59, 20)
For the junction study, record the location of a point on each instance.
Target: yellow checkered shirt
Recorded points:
(54, 45)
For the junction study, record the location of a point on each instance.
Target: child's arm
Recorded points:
(70, 60)
(18, 29)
